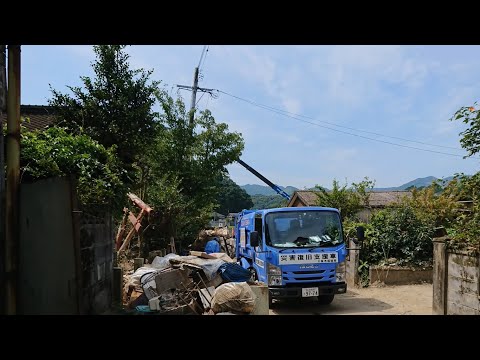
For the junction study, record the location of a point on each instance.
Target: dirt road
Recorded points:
(386, 300)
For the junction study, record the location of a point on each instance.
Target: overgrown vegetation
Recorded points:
(113, 108)
(394, 236)
(54, 152)
(349, 200)
(230, 197)
(268, 201)
(185, 161)
(402, 233)
(466, 230)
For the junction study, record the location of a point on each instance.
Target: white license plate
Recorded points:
(308, 292)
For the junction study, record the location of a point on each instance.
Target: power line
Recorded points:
(199, 99)
(286, 114)
(205, 58)
(201, 56)
(341, 126)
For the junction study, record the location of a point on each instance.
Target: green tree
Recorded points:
(268, 201)
(54, 152)
(434, 202)
(470, 140)
(184, 161)
(466, 229)
(114, 108)
(231, 197)
(349, 200)
(401, 234)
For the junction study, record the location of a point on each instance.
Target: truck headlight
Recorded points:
(274, 280)
(340, 271)
(274, 275)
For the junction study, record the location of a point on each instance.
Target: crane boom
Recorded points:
(264, 179)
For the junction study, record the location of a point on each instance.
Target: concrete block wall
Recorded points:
(456, 281)
(463, 296)
(96, 248)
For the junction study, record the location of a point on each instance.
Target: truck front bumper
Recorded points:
(294, 292)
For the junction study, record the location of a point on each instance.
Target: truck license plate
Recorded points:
(308, 292)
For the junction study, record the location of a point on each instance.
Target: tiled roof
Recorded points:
(40, 116)
(377, 198)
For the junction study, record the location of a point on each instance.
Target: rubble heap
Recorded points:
(199, 283)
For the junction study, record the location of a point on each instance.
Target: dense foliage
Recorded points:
(182, 168)
(470, 137)
(268, 201)
(54, 152)
(349, 200)
(169, 162)
(400, 234)
(466, 230)
(231, 198)
(114, 108)
(395, 236)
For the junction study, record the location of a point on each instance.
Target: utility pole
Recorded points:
(13, 180)
(194, 90)
(3, 110)
(194, 95)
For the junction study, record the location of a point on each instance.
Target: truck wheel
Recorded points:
(253, 274)
(325, 299)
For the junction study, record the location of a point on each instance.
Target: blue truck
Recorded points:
(299, 252)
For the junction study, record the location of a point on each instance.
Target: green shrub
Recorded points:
(54, 152)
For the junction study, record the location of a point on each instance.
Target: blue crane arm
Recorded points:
(264, 179)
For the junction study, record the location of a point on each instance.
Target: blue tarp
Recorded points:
(232, 272)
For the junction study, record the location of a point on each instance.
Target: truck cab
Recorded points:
(298, 251)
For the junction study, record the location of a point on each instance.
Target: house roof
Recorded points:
(377, 198)
(308, 198)
(40, 116)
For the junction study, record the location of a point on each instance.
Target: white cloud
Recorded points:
(278, 78)
(356, 76)
(291, 139)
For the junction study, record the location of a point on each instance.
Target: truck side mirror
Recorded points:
(254, 238)
(360, 233)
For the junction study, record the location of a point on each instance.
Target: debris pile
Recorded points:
(198, 284)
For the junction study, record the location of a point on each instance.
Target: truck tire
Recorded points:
(325, 299)
(253, 273)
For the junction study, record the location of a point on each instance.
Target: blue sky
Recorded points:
(403, 91)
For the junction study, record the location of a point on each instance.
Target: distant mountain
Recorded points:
(418, 183)
(254, 189)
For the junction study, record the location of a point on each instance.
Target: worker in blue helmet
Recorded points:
(212, 246)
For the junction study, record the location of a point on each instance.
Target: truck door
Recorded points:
(259, 263)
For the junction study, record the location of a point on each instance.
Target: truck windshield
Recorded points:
(311, 228)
